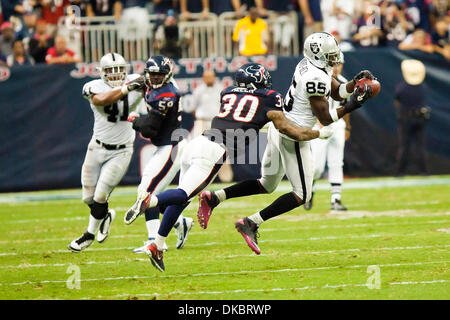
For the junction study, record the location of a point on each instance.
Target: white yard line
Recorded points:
(207, 274)
(319, 227)
(260, 289)
(227, 243)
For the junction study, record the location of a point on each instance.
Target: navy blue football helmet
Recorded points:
(158, 71)
(253, 76)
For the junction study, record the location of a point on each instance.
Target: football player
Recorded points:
(163, 104)
(331, 151)
(306, 101)
(109, 152)
(245, 108)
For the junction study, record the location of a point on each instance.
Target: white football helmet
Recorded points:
(113, 69)
(322, 50)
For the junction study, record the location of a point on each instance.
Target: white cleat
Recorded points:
(146, 244)
(182, 231)
(82, 242)
(105, 226)
(138, 208)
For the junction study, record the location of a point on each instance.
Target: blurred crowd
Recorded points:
(28, 28)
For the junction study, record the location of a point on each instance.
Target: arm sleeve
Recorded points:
(91, 88)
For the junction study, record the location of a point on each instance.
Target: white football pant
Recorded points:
(283, 155)
(102, 171)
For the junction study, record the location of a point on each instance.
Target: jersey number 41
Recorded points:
(113, 111)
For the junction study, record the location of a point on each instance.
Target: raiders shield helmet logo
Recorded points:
(314, 48)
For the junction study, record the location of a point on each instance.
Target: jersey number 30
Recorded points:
(113, 110)
(228, 104)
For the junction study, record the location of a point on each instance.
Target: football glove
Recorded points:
(136, 84)
(363, 74)
(325, 132)
(359, 96)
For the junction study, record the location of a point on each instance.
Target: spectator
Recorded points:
(419, 13)
(440, 38)
(312, 16)
(418, 40)
(19, 56)
(395, 24)
(251, 34)
(167, 40)
(135, 21)
(412, 114)
(6, 38)
(104, 8)
(28, 28)
(220, 6)
(40, 42)
(440, 10)
(51, 12)
(193, 6)
(59, 54)
(283, 29)
(368, 33)
(163, 6)
(11, 8)
(338, 15)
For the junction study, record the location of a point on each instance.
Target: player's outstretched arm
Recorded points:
(108, 98)
(289, 128)
(320, 107)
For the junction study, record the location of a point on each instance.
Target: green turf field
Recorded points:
(393, 243)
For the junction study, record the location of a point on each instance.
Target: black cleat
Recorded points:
(338, 206)
(156, 256)
(249, 230)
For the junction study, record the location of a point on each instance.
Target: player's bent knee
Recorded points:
(88, 195)
(267, 186)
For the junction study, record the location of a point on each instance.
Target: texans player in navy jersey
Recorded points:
(245, 108)
(162, 99)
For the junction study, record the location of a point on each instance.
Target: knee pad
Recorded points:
(99, 210)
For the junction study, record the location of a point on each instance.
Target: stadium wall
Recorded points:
(46, 124)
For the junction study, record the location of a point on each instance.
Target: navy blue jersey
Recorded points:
(166, 100)
(243, 113)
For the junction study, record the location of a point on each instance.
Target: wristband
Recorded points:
(333, 114)
(124, 90)
(343, 91)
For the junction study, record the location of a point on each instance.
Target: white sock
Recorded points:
(221, 195)
(256, 218)
(94, 224)
(152, 227)
(336, 189)
(179, 221)
(159, 241)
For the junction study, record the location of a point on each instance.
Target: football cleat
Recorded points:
(308, 205)
(105, 226)
(249, 230)
(156, 256)
(146, 244)
(182, 231)
(207, 202)
(138, 208)
(338, 206)
(82, 242)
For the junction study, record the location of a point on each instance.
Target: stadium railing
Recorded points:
(92, 37)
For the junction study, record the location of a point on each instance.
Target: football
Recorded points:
(373, 83)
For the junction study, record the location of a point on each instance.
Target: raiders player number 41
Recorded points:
(109, 152)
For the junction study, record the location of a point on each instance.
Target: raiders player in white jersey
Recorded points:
(109, 152)
(331, 151)
(305, 103)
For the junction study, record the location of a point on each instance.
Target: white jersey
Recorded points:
(111, 125)
(307, 81)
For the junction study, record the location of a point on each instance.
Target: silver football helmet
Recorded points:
(322, 50)
(113, 69)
